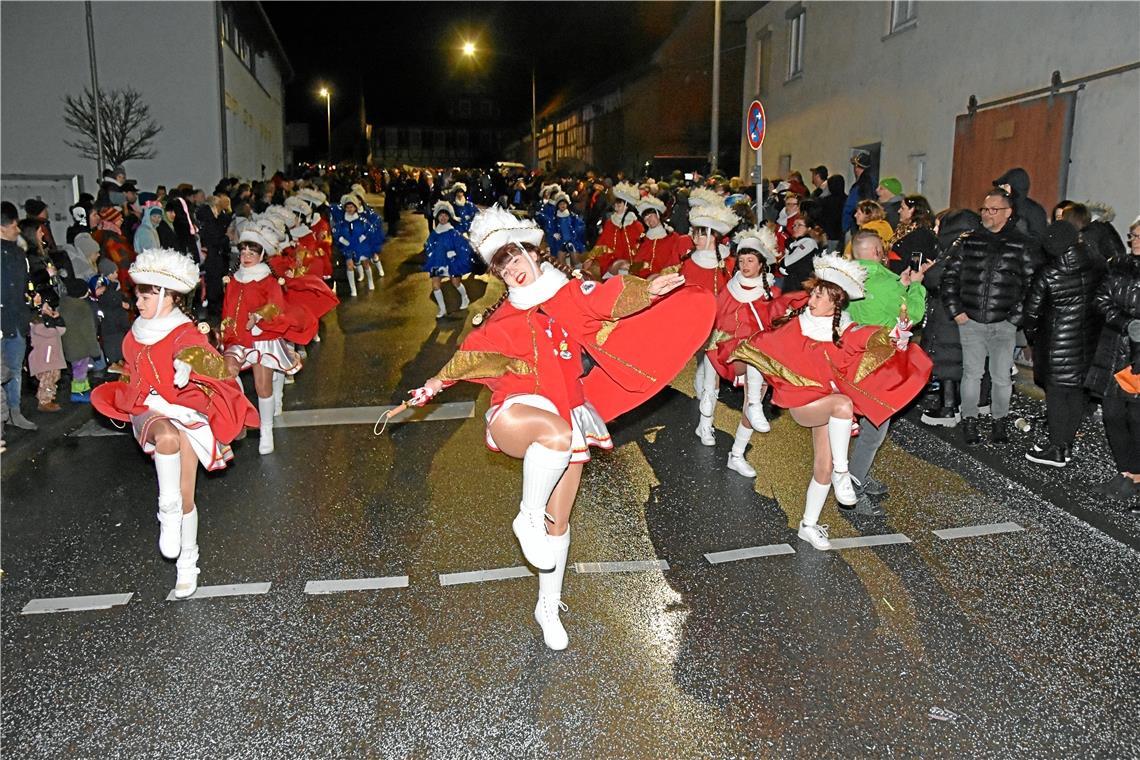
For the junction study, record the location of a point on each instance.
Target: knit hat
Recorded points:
(95, 281)
(649, 203)
(86, 245)
(1059, 237)
(892, 184)
(165, 268)
(845, 273)
(627, 192)
(717, 218)
(759, 239)
(494, 227)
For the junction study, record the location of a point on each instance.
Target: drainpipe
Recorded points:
(221, 88)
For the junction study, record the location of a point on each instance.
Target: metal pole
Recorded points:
(714, 136)
(533, 119)
(759, 186)
(328, 123)
(95, 93)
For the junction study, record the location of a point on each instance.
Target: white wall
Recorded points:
(255, 117)
(906, 90)
(165, 50)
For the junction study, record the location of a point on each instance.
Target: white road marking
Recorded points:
(751, 552)
(213, 592)
(635, 566)
(949, 534)
(92, 429)
(367, 415)
(75, 603)
(864, 541)
(356, 584)
(478, 576)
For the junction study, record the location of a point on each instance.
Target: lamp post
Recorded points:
(327, 95)
(469, 51)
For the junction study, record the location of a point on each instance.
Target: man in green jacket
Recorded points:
(886, 295)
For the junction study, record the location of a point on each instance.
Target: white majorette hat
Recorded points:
(357, 189)
(553, 187)
(285, 213)
(313, 196)
(717, 218)
(702, 196)
(348, 198)
(845, 273)
(253, 233)
(299, 205)
(443, 206)
(649, 203)
(493, 228)
(627, 192)
(561, 196)
(164, 268)
(759, 239)
(458, 187)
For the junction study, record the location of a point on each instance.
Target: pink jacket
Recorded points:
(47, 349)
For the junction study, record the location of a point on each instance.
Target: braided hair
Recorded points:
(498, 261)
(763, 268)
(838, 297)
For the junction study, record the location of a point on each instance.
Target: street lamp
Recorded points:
(469, 51)
(327, 95)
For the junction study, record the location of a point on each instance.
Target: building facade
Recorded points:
(917, 84)
(212, 73)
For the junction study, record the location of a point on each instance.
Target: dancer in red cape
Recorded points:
(660, 246)
(613, 253)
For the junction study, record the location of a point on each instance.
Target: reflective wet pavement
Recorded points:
(1016, 644)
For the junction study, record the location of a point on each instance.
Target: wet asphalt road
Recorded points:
(1023, 642)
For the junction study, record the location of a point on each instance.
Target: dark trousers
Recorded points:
(1064, 410)
(1122, 426)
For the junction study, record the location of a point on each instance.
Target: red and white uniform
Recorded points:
(802, 364)
(322, 234)
(619, 238)
(704, 270)
(530, 350)
(744, 308)
(209, 408)
(303, 287)
(255, 291)
(660, 248)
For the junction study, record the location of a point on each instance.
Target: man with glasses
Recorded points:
(987, 276)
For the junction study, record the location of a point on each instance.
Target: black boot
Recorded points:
(946, 414)
(999, 433)
(970, 431)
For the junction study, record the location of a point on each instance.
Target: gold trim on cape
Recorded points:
(204, 362)
(877, 353)
(473, 365)
(634, 297)
(749, 354)
(603, 334)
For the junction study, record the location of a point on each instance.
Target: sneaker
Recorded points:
(816, 535)
(116, 368)
(1052, 456)
(81, 398)
(546, 615)
(49, 407)
(999, 432)
(873, 487)
(1121, 488)
(739, 464)
(844, 487)
(945, 416)
(863, 506)
(187, 582)
(970, 432)
(756, 418)
(529, 527)
(705, 433)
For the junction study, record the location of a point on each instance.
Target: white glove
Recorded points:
(181, 373)
(451, 254)
(255, 330)
(902, 340)
(420, 396)
(557, 236)
(342, 241)
(363, 238)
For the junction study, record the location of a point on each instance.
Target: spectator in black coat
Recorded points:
(1101, 238)
(1118, 302)
(1062, 325)
(831, 211)
(913, 241)
(214, 219)
(1028, 214)
(15, 314)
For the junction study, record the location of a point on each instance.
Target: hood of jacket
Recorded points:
(954, 224)
(1018, 179)
(835, 184)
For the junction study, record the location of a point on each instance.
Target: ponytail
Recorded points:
(781, 321)
(835, 321)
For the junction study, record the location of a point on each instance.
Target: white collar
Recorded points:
(151, 331)
(300, 231)
(705, 259)
(445, 227)
(625, 220)
(351, 217)
(819, 328)
(748, 289)
(562, 214)
(254, 273)
(528, 296)
(658, 232)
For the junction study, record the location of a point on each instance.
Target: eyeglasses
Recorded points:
(993, 209)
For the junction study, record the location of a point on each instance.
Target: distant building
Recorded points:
(946, 96)
(213, 74)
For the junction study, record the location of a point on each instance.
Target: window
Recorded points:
(795, 41)
(902, 14)
(763, 62)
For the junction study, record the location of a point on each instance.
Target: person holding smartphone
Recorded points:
(914, 242)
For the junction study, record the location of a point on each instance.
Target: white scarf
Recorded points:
(528, 296)
(658, 232)
(624, 220)
(819, 328)
(445, 227)
(351, 217)
(254, 273)
(748, 289)
(151, 331)
(300, 231)
(563, 214)
(705, 259)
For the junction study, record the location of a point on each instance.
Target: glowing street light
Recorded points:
(327, 95)
(469, 49)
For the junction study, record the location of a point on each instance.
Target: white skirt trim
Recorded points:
(212, 453)
(588, 429)
(274, 354)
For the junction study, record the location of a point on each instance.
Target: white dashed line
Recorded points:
(367, 415)
(75, 603)
(969, 531)
(356, 584)
(635, 566)
(751, 552)
(214, 592)
(859, 542)
(478, 576)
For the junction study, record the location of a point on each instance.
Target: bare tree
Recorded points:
(128, 129)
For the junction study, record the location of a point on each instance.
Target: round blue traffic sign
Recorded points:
(755, 125)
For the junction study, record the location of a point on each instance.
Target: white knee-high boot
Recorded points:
(550, 595)
(351, 277)
(736, 460)
(699, 376)
(368, 274)
(360, 270)
(810, 529)
(542, 469)
(438, 296)
(839, 436)
(709, 388)
(265, 408)
(379, 265)
(168, 467)
(754, 400)
(187, 564)
(278, 393)
(464, 301)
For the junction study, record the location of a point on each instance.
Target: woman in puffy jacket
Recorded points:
(1118, 302)
(1062, 324)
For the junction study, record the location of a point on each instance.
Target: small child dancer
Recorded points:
(448, 255)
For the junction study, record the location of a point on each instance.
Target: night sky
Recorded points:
(406, 59)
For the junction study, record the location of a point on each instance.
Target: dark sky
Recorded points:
(405, 57)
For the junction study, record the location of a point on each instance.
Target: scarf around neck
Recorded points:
(254, 273)
(445, 227)
(748, 289)
(819, 328)
(705, 259)
(549, 282)
(151, 331)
